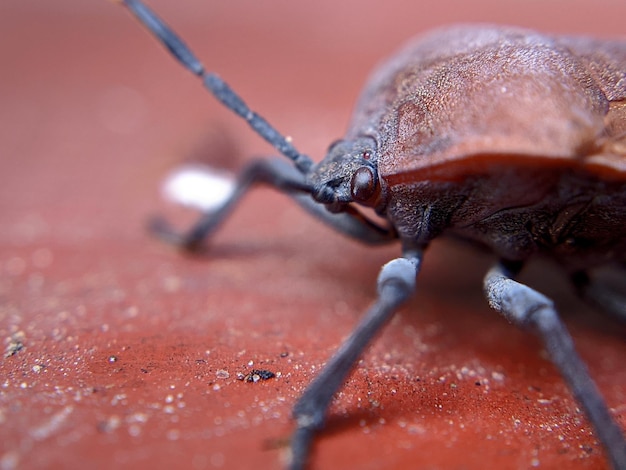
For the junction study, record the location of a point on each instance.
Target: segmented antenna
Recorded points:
(218, 87)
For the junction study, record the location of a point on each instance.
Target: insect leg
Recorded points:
(600, 295)
(524, 306)
(276, 173)
(351, 222)
(285, 178)
(396, 282)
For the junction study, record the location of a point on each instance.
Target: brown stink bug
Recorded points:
(509, 139)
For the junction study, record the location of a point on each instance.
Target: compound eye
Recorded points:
(363, 184)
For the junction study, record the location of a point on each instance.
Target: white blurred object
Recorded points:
(199, 186)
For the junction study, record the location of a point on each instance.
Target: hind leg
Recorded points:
(526, 307)
(600, 295)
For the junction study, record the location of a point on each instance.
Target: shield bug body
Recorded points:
(512, 140)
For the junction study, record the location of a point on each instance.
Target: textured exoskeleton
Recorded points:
(506, 138)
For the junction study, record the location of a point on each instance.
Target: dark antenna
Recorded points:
(218, 87)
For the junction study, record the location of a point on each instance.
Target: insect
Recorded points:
(509, 139)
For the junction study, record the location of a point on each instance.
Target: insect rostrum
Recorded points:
(512, 140)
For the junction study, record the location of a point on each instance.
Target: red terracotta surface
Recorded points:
(127, 353)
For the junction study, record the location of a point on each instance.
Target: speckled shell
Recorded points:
(506, 138)
(457, 100)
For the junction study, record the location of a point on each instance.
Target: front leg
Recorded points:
(275, 173)
(524, 307)
(283, 177)
(396, 282)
